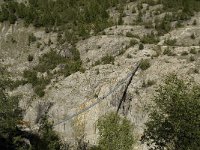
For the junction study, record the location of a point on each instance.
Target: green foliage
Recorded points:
(129, 56)
(150, 39)
(193, 51)
(168, 52)
(129, 34)
(174, 119)
(148, 83)
(120, 20)
(193, 36)
(115, 133)
(145, 64)
(192, 58)
(105, 60)
(9, 112)
(170, 42)
(148, 25)
(164, 25)
(11, 135)
(184, 53)
(141, 46)
(78, 18)
(48, 62)
(194, 22)
(30, 58)
(39, 84)
(10, 115)
(31, 38)
(49, 139)
(133, 42)
(151, 2)
(187, 6)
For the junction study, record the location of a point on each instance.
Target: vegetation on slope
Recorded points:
(75, 18)
(175, 119)
(47, 63)
(115, 133)
(12, 135)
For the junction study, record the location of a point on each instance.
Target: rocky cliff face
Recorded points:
(75, 103)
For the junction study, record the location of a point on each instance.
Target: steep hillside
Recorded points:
(76, 71)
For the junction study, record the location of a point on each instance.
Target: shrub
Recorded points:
(141, 46)
(115, 133)
(145, 64)
(192, 36)
(196, 70)
(194, 22)
(133, 10)
(192, 58)
(107, 59)
(39, 90)
(168, 52)
(48, 62)
(150, 39)
(174, 119)
(170, 42)
(129, 56)
(193, 51)
(148, 25)
(148, 83)
(184, 53)
(30, 57)
(133, 42)
(163, 26)
(129, 34)
(120, 20)
(31, 38)
(64, 15)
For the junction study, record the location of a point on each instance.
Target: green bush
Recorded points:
(30, 58)
(31, 38)
(168, 52)
(150, 39)
(81, 17)
(184, 53)
(187, 6)
(194, 22)
(149, 83)
(193, 51)
(48, 62)
(196, 70)
(145, 64)
(192, 58)
(115, 133)
(163, 26)
(129, 56)
(174, 119)
(170, 42)
(129, 34)
(141, 46)
(39, 90)
(193, 36)
(107, 59)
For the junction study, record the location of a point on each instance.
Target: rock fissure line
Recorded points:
(126, 88)
(103, 97)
